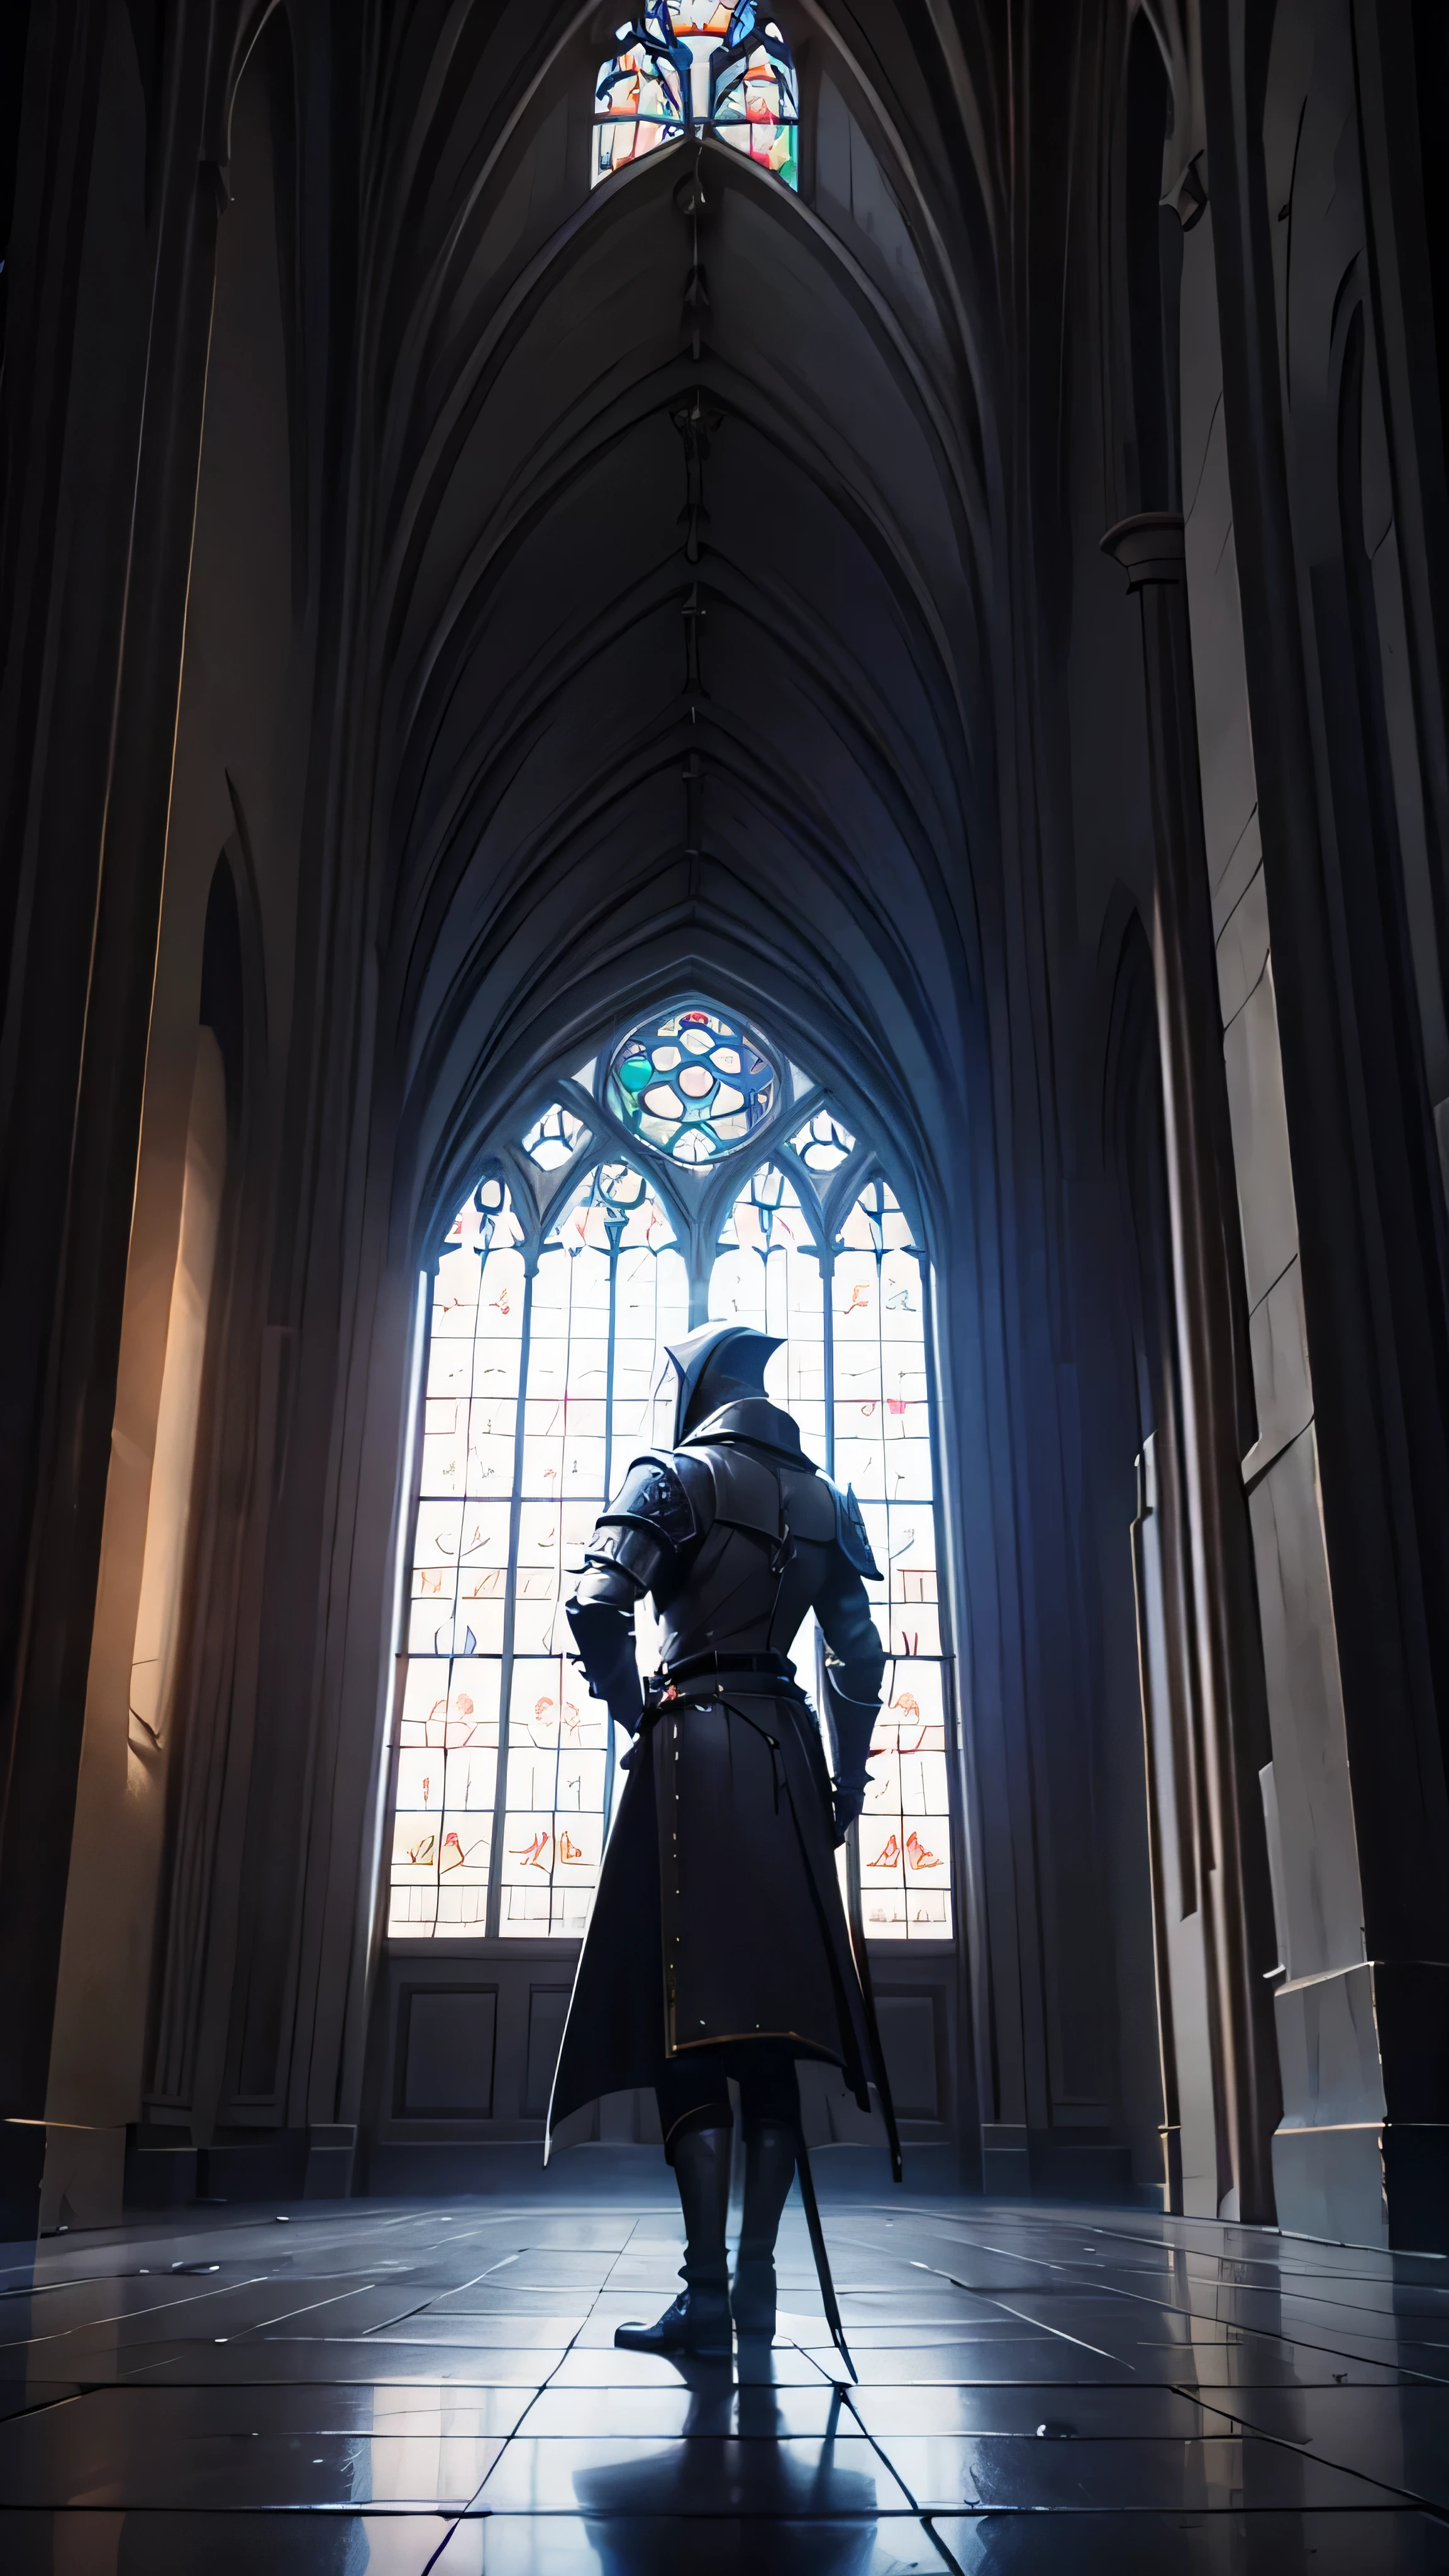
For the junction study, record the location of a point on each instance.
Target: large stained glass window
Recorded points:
(563, 1277)
(686, 67)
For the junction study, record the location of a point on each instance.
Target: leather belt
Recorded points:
(697, 1667)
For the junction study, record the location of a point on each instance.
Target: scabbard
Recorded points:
(817, 2248)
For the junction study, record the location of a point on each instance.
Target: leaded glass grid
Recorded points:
(767, 1273)
(692, 1085)
(545, 1375)
(687, 67)
(883, 1446)
(508, 1494)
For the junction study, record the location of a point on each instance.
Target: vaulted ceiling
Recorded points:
(676, 665)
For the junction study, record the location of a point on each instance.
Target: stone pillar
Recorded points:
(1327, 469)
(112, 280)
(1238, 1925)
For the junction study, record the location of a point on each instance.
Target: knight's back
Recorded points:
(733, 1532)
(769, 1529)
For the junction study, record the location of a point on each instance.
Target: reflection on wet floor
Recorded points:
(388, 2388)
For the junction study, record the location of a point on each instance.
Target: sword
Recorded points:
(855, 1919)
(817, 2248)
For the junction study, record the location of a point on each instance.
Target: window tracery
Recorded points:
(822, 1143)
(554, 1139)
(559, 1285)
(687, 67)
(692, 1084)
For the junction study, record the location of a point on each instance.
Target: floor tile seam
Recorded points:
(948, 2555)
(1251, 2513)
(384, 2512)
(1304, 2451)
(1125, 2384)
(863, 2514)
(650, 2441)
(456, 2292)
(876, 2446)
(1170, 2307)
(1079, 2341)
(1330, 2244)
(122, 2316)
(546, 2381)
(49, 2405)
(1080, 2441)
(265, 2326)
(52, 2289)
(422, 2512)
(871, 2515)
(1311, 2311)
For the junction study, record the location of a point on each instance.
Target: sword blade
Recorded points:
(855, 1924)
(817, 2248)
(855, 1916)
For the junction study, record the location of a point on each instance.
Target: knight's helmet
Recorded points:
(719, 1364)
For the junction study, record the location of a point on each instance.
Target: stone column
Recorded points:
(111, 316)
(1238, 1927)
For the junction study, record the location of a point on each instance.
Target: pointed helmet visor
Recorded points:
(719, 1364)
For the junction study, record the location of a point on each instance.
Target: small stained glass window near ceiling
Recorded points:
(545, 1376)
(554, 1138)
(685, 67)
(692, 1084)
(822, 1143)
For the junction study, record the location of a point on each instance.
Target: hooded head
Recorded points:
(720, 1364)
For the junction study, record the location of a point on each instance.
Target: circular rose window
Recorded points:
(692, 1085)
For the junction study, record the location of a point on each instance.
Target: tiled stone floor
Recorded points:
(378, 2387)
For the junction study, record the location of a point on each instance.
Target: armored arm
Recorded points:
(855, 1657)
(634, 1547)
(601, 1615)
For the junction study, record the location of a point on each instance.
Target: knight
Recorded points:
(718, 1945)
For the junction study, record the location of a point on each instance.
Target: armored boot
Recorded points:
(769, 2172)
(699, 2319)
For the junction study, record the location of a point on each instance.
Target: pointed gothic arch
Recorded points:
(633, 1203)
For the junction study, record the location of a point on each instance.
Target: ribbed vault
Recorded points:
(678, 666)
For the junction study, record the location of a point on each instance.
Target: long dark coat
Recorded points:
(718, 1919)
(718, 1916)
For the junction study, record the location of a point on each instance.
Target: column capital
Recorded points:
(1149, 546)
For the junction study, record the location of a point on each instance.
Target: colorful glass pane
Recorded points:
(689, 66)
(767, 1273)
(642, 98)
(692, 1085)
(822, 1143)
(508, 1496)
(448, 1720)
(905, 1831)
(755, 100)
(883, 1447)
(554, 1138)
